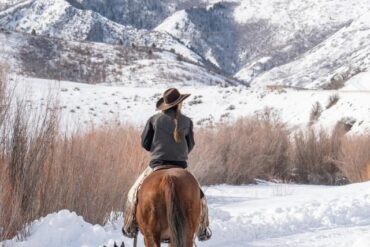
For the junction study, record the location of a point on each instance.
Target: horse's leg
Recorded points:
(190, 240)
(192, 226)
(152, 241)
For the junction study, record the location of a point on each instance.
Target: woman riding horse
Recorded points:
(168, 136)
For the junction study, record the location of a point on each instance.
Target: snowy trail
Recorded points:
(267, 214)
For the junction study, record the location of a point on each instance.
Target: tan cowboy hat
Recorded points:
(171, 97)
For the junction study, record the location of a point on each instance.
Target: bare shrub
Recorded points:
(26, 148)
(346, 123)
(354, 159)
(86, 173)
(333, 99)
(312, 157)
(43, 171)
(315, 113)
(336, 82)
(96, 170)
(238, 153)
(339, 80)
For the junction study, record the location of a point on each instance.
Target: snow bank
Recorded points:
(65, 228)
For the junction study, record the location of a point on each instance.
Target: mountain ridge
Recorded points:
(257, 42)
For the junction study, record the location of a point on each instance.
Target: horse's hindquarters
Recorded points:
(169, 207)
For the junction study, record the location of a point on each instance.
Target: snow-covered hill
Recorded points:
(58, 18)
(138, 13)
(52, 58)
(337, 59)
(267, 214)
(248, 38)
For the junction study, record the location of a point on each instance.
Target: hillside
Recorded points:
(208, 104)
(59, 19)
(260, 41)
(57, 59)
(343, 55)
(302, 43)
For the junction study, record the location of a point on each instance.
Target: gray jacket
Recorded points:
(157, 137)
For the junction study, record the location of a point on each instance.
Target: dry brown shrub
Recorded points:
(43, 171)
(313, 156)
(354, 160)
(86, 173)
(240, 152)
(99, 167)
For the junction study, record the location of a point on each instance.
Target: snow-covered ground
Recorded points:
(208, 104)
(266, 214)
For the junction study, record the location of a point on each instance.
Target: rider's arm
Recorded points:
(190, 138)
(147, 135)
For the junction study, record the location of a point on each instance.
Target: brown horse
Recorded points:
(169, 208)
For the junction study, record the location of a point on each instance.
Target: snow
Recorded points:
(58, 18)
(292, 14)
(265, 214)
(360, 82)
(66, 228)
(174, 22)
(209, 104)
(306, 43)
(341, 54)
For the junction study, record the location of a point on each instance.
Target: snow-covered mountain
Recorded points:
(249, 38)
(333, 61)
(295, 43)
(57, 59)
(138, 13)
(58, 18)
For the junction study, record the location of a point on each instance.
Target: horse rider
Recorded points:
(168, 135)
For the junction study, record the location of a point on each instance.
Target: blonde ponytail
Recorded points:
(176, 132)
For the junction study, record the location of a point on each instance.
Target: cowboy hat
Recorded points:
(171, 97)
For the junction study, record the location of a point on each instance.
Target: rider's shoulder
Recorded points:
(186, 117)
(155, 116)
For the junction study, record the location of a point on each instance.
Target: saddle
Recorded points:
(164, 167)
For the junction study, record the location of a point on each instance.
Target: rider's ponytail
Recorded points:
(176, 132)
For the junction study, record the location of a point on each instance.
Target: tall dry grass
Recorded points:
(86, 173)
(313, 156)
(240, 152)
(43, 171)
(354, 158)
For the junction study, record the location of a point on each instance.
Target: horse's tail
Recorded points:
(175, 213)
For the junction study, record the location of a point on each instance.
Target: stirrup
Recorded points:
(205, 235)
